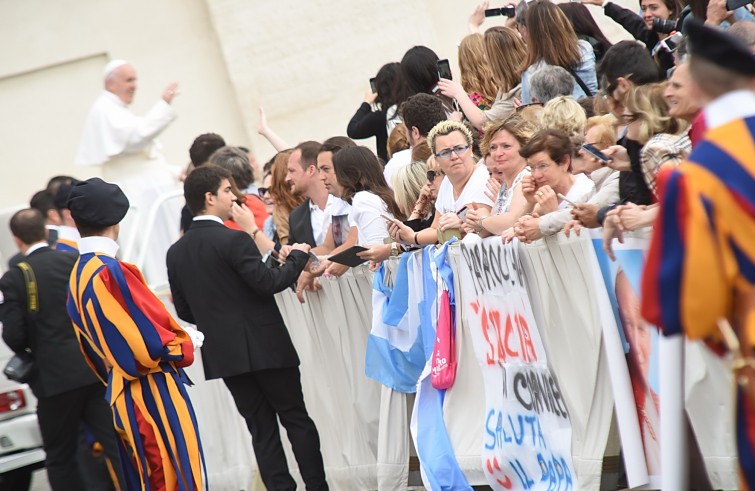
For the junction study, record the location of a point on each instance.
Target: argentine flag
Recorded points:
(439, 467)
(395, 351)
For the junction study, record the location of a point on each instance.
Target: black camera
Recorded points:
(666, 26)
(509, 11)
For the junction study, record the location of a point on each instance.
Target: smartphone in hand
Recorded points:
(462, 214)
(444, 69)
(593, 150)
(373, 85)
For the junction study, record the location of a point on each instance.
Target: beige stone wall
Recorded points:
(50, 73)
(307, 62)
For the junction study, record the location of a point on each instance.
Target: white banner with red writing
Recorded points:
(527, 432)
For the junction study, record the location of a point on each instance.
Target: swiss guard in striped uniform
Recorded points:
(135, 347)
(700, 274)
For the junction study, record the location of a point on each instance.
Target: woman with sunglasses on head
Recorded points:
(463, 188)
(501, 145)
(551, 189)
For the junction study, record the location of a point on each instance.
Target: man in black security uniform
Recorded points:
(67, 390)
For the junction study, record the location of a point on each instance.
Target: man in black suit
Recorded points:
(220, 283)
(308, 222)
(67, 390)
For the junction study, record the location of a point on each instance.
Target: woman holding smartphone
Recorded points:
(388, 93)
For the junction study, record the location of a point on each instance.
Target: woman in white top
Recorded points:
(462, 189)
(502, 142)
(362, 185)
(551, 189)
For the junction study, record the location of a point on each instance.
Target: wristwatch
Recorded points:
(254, 234)
(394, 249)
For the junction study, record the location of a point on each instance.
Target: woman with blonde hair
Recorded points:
(663, 138)
(415, 194)
(551, 40)
(501, 145)
(565, 114)
(462, 190)
(476, 77)
(506, 55)
(600, 132)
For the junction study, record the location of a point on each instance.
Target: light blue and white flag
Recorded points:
(395, 353)
(439, 467)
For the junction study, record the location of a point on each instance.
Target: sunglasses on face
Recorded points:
(431, 175)
(261, 192)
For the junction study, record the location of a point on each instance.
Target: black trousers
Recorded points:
(60, 417)
(262, 397)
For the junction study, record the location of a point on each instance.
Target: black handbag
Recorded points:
(20, 368)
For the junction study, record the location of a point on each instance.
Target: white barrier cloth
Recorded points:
(527, 432)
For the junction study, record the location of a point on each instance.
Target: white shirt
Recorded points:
(37, 246)
(112, 129)
(208, 217)
(473, 192)
(580, 191)
(96, 243)
(69, 233)
(366, 209)
(739, 104)
(320, 219)
(399, 160)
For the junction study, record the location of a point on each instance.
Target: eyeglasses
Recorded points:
(446, 152)
(261, 192)
(520, 108)
(540, 168)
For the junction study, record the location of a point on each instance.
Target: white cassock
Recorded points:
(123, 145)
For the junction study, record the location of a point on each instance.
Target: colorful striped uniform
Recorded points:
(67, 240)
(701, 263)
(137, 349)
(66, 245)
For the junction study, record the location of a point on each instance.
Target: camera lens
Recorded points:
(666, 26)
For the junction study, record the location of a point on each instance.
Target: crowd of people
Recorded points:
(547, 127)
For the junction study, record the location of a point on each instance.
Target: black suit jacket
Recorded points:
(300, 225)
(220, 284)
(48, 332)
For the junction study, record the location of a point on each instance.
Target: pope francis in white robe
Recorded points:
(123, 145)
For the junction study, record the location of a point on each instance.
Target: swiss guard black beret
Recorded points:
(719, 48)
(61, 197)
(97, 203)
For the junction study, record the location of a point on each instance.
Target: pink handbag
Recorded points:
(444, 353)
